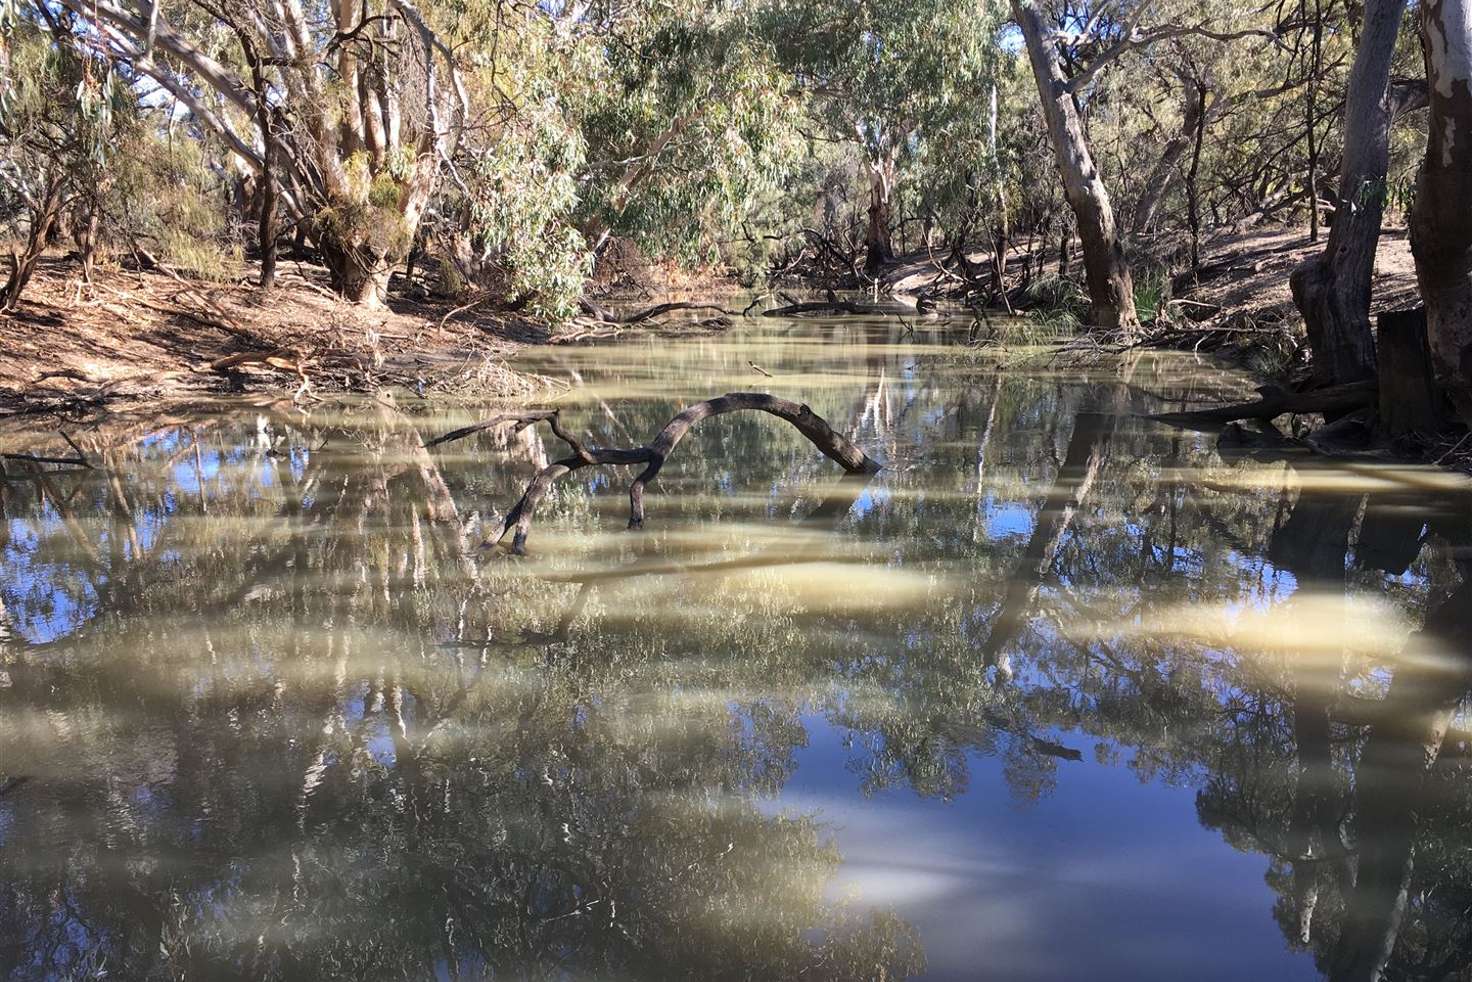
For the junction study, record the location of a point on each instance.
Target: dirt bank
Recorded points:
(131, 336)
(1243, 276)
(134, 336)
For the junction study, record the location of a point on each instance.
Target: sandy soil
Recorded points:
(147, 335)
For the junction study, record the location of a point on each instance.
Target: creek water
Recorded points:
(1060, 693)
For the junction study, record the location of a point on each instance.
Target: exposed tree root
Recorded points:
(654, 454)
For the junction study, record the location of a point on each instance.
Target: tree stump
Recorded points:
(1412, 404)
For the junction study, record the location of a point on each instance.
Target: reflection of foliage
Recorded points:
(300, 733)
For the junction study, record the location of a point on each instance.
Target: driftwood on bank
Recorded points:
(654, 454)
(1276, 401)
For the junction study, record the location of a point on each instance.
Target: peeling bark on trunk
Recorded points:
(1441, 222)
(358, 273)
(1332, 290)
(878, 246)
(1111, 288)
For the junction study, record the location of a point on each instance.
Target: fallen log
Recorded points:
(1276, 401)
(648, 313)
(823, 307)
(654, 454)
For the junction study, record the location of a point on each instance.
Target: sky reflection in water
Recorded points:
(1060, 693)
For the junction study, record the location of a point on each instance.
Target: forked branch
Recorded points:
(654, 454)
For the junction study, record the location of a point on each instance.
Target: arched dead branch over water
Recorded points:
(654, 454)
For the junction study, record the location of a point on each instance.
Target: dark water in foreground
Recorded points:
(1062, 693)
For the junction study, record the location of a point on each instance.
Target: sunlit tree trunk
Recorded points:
(1163, 174)
(1111, 288)
(1441, 221)
(1332, 290)
(878, 244)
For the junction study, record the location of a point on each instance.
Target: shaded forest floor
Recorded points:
(1244, 275)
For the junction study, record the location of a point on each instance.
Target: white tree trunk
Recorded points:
(1441, 222)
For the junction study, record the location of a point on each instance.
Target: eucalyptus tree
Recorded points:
(1441, 221)
(63, 112)
(1332, 290)
(687, 122)
(1069, 44)
(354, 114)
(890, 78)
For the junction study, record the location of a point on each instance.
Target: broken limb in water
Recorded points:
(1276, 401)
(653, 455)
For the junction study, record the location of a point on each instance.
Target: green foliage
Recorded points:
(1152, 293)
(523, 189)
(1058, 305)
(688, 123)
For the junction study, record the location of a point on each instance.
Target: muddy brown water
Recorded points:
(1060, 693)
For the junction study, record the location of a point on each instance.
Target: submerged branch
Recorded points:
(654, 454)
(1275, 402)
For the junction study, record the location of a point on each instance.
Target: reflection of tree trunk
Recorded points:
(986, 432)
(1312, 543)
(1091, 435)
(1434, 675)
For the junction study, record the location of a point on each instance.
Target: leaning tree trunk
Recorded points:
(1166, 168)
(1332, 289)
(1111, 289)
(1441, 221)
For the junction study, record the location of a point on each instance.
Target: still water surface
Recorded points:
(1061, 693)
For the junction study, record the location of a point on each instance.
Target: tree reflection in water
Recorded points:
(268, 711)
